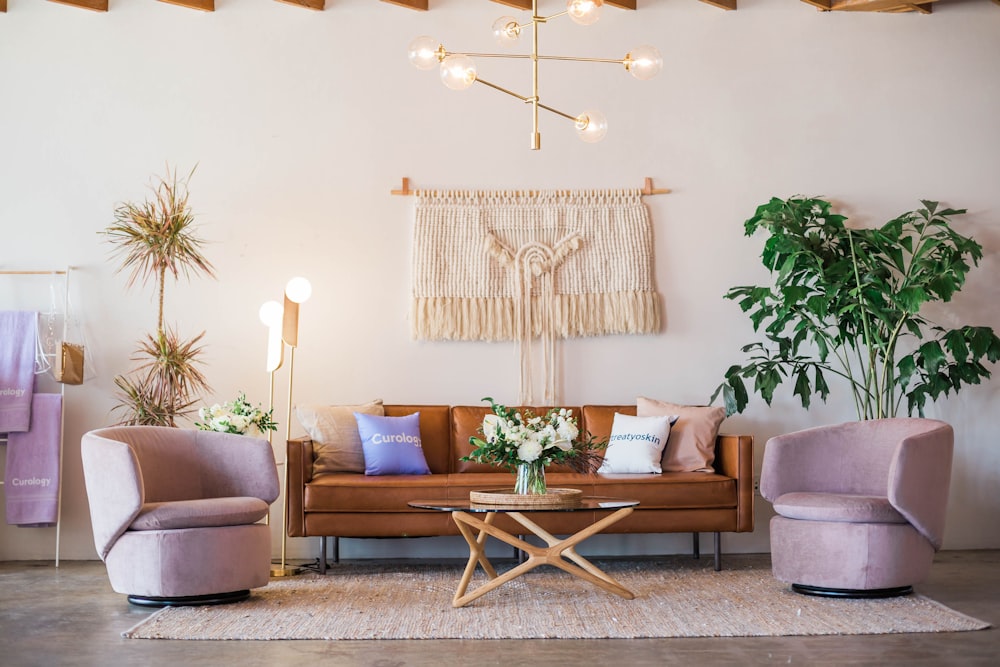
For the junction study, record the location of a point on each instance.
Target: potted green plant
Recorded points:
(155, 238)
(849, 302)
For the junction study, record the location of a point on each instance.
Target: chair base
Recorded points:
(852, 593)
(189, 600)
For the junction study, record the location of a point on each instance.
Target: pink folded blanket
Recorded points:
(31, 481)
(18, 329)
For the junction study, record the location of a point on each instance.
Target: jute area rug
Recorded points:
(675, 597)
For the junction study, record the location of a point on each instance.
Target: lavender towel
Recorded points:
(18, 329)
(31, 483)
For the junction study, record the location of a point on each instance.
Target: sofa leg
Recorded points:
(718, 551)
(696, 545)
(336, 550)
(322, 554)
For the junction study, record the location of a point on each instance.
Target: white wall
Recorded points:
(301, 122)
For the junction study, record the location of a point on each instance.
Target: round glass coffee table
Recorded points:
(559, 553)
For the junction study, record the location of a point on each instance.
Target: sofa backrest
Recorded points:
(434, 433)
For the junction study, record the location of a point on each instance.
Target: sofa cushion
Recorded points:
(839, 507)
(200, 513)
(392, 445)
(691, 447)
(636, 444)
(334, 432)
(347, 492)
(670, 490)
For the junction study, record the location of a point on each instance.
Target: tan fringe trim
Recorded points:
(573, 316)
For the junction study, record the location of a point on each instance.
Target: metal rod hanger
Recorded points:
(32, 273)
(647, 188)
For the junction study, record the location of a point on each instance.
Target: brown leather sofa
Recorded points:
(354, 505)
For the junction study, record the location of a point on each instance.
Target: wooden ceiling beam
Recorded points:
(203, 5)
(95, 5)
(526, 4)
(516, 4)
(318, 5)
(3, 5)
(924, 6)
(722, 4)
(419, 5)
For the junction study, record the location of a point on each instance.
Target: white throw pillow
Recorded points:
(334, 432)
(636, 444)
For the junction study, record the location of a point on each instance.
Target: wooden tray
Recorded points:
(552, 498)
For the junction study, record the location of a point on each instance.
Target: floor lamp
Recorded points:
(271, 315)
(297, 291)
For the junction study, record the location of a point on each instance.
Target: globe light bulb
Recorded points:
(270, 313)
(458, 72)
(506, 31)
(584, 12)
(591, 126)
(424, 52)
(298, 290)
(644, 62)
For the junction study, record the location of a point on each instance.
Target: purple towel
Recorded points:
(18, 329)
(31, 483)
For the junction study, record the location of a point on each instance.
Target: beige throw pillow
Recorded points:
(691, 447)
(334, 432)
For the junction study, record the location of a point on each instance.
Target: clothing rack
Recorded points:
(647, 188)
(62, 392)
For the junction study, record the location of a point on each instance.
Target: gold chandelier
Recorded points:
(458, 69)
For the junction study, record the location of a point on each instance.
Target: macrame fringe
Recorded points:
(572, 316)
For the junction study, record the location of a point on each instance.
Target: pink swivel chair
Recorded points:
(176, 513)
(860, 506)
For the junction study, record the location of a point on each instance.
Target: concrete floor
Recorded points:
(70, 616)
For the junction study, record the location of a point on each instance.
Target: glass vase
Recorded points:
(530, 479)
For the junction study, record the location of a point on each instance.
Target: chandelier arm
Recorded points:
(614, 61)
(487, 55)
(523, 98)
(557, 112)
(543, 19)
(502, 89)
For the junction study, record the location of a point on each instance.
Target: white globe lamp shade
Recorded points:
(591, 126)
(298, 290)
(584, 12)
(458, 72)
(271, 313)
(644, 62)
(423, 52)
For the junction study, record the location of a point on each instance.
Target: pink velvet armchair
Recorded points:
(175, 512)
(860, 506)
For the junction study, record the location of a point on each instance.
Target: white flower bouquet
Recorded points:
(237, 417)
(511, 438)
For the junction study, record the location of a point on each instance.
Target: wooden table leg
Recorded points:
(559, 550)
(556, 554)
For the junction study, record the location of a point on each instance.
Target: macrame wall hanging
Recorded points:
(519, 266)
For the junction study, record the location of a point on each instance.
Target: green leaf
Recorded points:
(931, 356)
(905, 368)
(802, 388)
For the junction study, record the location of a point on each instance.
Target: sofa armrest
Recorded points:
(299, 462)
(734, 458)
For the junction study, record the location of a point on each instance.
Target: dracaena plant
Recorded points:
(848, 302)
(155, 238)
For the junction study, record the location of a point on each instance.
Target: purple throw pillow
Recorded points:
(392, 445)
